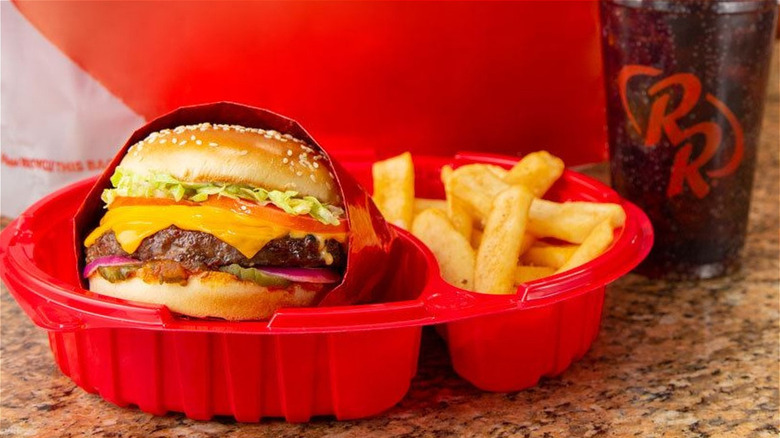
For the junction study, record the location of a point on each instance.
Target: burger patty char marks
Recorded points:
(199, 251)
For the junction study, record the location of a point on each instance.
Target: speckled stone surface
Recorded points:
(691, 359)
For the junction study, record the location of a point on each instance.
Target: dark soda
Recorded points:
(685, 85)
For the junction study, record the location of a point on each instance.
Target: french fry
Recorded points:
(394, 189)
(500, 246)
(496, 170)
(460, 217)
(614, 212)
(595, 244)
(552, 256)
(446, 173)
(421, 204)
(571, 221)
(455, 208)
(477, 186)
(527, 243)
(524, 274)
(537, 171)
(453, 252)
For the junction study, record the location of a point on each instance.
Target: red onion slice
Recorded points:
(108, 261)
(304, 275)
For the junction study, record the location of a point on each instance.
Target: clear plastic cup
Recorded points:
(685, 85)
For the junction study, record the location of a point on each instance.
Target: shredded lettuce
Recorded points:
(159, 185)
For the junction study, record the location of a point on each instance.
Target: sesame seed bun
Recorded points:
(234, 154)
(210, 294)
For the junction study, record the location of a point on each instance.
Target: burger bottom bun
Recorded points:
(211, 294)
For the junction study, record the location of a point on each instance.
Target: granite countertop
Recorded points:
(682, 359)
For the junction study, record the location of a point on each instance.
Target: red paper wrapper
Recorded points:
(370, 238)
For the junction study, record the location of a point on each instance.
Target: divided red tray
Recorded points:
(349, 362)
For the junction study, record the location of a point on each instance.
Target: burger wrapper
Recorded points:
(370, 238)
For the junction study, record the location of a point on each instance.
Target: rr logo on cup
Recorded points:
(663, 119)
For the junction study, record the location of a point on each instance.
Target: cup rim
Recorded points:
(719, 6)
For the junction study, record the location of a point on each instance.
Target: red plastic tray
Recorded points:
(349, 362)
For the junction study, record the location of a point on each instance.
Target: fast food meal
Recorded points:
(217, 220)
(493, 230)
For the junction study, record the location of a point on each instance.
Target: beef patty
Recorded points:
(199, 251)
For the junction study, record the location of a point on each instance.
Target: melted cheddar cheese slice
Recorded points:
(246, 233)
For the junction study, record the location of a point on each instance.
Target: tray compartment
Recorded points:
(511, 351)
(294, 376)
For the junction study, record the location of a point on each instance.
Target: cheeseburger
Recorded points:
(219, 221)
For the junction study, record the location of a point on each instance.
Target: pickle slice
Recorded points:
(117, 273)
(255, 275)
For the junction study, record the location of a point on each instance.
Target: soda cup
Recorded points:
(685, 83)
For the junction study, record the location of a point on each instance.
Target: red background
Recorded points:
(435, 77)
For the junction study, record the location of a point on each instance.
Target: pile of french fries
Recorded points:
(493, 230)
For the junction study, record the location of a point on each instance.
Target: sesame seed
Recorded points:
(198, 142)
(174, 140)
(163, 141)
(183, 142)
(316, 165)
(244, 152)
(285, 160)
(289, 153)
(213, 144)
(192, 137)
(299, 173)
(312, 177)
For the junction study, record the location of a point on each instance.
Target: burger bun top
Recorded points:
(235, 154)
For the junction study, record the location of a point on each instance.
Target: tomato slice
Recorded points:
(268, 212)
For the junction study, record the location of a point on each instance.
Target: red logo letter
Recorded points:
(665, 121)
